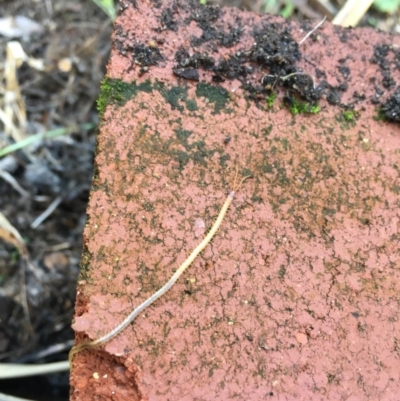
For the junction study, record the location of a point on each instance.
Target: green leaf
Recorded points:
(45, 135)
(108, 7)
(288, 10)
(387, 6)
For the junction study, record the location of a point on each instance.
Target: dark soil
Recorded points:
(80, 32)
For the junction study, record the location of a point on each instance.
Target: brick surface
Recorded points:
(298, 295)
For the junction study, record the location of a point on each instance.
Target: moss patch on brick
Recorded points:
(116, 91)
(216, 95)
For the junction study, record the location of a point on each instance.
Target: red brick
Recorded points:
(297, 296)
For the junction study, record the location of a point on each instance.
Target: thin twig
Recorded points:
(298, 73)
(312, 30)
(51, 350)
(14, 183)
(53, 206)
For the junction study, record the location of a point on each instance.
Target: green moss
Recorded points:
(267, 168)
(271, 99)
(348, 119)
(267, 130)
(116, 91)
(148, 206)
(256, 199)
(395, 189)
(191, 105)
(195, 151)
(328, 211)
(176, 96)
(380, 115)
(224, 159)
(183, 135)
(216, 95)
(285, 144)
(350, 115)
(299, 107)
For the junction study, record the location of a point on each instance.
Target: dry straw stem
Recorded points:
(12, 105)
(13, 113)
(11, 235)
(6, 397)
(13, 370)
(352, 12)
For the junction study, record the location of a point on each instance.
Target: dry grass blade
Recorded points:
(11, 370)
(53, 206)
(352, 12)
(7, 121)
(51, 350)
(14, 106)
(5, 397)
(11, 235)
(6, 176)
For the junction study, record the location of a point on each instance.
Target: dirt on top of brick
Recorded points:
(297, 296)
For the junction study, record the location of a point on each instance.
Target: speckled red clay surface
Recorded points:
(298, 295)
